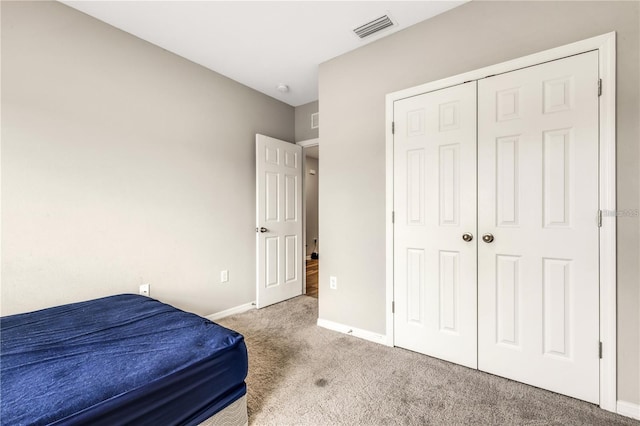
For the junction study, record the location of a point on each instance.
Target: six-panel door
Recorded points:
(435, 205)
(278, 220)
(538, 295)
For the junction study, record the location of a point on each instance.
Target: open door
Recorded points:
(278, 220)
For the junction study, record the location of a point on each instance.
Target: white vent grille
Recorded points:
(374, 26)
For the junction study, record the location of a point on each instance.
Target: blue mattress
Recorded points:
(123, 359)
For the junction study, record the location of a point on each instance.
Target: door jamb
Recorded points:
(606, 46)
(305, 144)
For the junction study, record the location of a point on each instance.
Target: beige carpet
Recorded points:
(301, 374)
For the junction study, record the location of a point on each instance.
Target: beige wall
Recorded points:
(123, 164)
(303, 121)
(352, 106)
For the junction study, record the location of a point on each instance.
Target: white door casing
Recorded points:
(538, 280)
(435, 204)
(605, 46)
(278, 220)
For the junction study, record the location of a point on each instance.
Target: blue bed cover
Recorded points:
(124, 359)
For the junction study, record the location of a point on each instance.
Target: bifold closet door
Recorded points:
(435, 206)
(538, 295)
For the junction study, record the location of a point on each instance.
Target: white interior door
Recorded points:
(538, 295)
(278, 220)
(435, 205)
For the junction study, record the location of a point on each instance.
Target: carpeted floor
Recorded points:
(301, 374)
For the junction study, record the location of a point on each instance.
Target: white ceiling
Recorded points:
(260, 43)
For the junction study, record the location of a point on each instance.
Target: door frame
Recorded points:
(606, 46)
(307, 143)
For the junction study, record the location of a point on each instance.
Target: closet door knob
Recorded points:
(261, 229)
(467, 236)
(487, 238)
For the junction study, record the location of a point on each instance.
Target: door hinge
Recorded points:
(393, 217)
(393, 127)
(599, 87)
(600, 350)
(599, 218)
(393, 307)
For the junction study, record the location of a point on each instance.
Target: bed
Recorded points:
(124, 359)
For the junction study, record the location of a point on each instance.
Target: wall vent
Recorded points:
(374, 26)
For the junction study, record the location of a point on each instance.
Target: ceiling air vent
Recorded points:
(374, 26)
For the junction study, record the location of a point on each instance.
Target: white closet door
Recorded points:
(434, 205)
(538, 197)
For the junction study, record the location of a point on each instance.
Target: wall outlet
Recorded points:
(333, 283)
(144, 290)
(224, 276)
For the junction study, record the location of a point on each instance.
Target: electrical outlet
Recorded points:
(224, 276)
(333, 283)
(144, 290)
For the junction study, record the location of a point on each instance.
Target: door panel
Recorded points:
(538, 295)
(434, 204)
(278, 213)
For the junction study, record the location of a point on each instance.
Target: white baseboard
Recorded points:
(231, 311)
(628, 409)
(353, 331)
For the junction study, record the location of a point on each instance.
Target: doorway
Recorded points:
(553, 188)
(311, 157)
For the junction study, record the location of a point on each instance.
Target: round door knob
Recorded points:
(262, 229)
(467, 236)
(487, 238)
